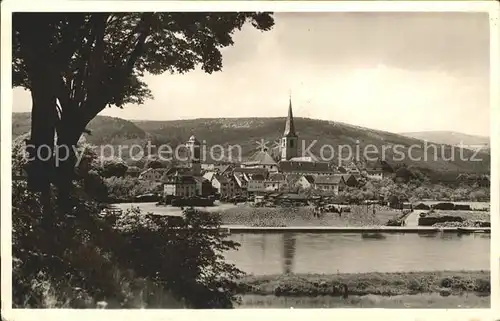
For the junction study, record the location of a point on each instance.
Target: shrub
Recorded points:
(395, 222)
(444, 206)
(127, 188)
(483, 286)
(422, 206)
(462, 207)
(76, 259)
(431, 220)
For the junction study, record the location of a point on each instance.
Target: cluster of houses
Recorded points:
(259, 175)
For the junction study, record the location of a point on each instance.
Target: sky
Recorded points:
(397, 72)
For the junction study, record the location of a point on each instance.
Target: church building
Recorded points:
(290, 162)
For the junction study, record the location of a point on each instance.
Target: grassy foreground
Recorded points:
(443, 283)
(422, 301)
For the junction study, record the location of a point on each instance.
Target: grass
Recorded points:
(303, 216)
(425, 301)
(361, 284)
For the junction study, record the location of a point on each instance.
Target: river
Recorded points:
(264, 254)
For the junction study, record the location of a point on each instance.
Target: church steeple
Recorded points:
(289, 141)
(289, 126)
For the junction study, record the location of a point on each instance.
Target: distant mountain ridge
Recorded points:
(248, 132)
(451, 138)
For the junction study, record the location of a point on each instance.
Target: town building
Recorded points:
(261, 159)
(255, 186)
(180, 186)
(133, 171)
(258, 186)
(305, 168)
(223, 169)
(333, 184)
(193, 146)
(377, 174)
(350, 180)
(271, 186)
(242, 182)
(153, 174)
(225, 186)
(281, 179)
(181, 170)
(208, 175)
(203, 186)
(252, 172)
(290, 162)
(290, 140)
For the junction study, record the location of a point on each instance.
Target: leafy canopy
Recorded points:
(95, 60)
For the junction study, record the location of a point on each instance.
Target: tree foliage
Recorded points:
(76, 64)
(127, 188)
(115, 258)
(111, 167)
(106, 54)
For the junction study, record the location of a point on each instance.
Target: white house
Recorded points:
(333, 184)
(177, 185)
(254, 186)
(376, 174)
(225, 186)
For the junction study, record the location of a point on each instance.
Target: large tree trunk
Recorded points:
(35, 33)
(44, 116)
(68, 135)
(72, 126)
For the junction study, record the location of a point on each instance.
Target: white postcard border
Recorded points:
(275, 6)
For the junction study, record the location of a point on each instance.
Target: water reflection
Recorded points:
(288, 252)
(450, 236)
(353, 253)
(431, 234)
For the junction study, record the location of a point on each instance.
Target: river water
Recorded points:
(264, 254)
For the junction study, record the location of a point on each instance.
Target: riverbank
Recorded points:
(359, 215)
(443, 283)
(426, 230)
(171, 210)
(245, 215)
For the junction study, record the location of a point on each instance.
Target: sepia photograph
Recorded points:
(253, 159)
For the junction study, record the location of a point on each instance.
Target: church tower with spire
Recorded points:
(289, 142)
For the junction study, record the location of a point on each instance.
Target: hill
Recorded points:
(452, 138)
(245, 132)
(324, 136)
(104, 130)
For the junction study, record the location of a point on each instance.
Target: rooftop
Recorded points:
(276, 177)
(179, 179)
(292, 166)
(328, 180)
(261, 158)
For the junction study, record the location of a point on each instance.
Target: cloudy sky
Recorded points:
(398, 72)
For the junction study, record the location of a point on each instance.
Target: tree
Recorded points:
(155, 163)
(76, 64)
(112, 167)
(101, 257)
(19, 153)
